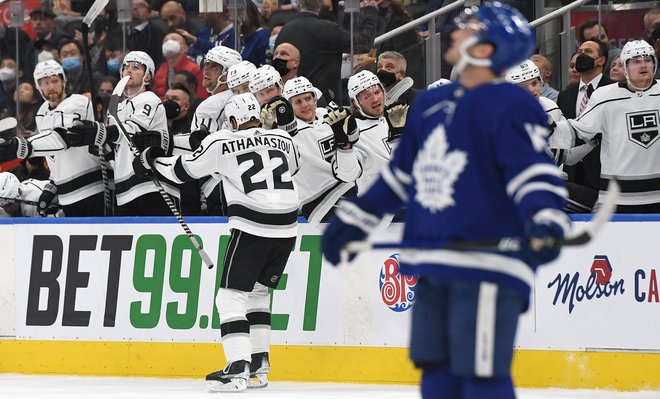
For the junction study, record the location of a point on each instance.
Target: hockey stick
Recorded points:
(112, 111)
(8, 123)
(505, 244)
(91, 15)
(393, 95)
(27, 202)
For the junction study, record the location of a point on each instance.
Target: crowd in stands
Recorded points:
(296, 39)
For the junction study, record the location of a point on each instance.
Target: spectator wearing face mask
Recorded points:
(286, 60)
(174, 51)
(71, 59)
(7, 80)
(177, 108)
(391, 71)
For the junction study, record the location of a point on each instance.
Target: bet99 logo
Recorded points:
(396, 290)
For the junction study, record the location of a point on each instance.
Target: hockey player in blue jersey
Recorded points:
(472, 164)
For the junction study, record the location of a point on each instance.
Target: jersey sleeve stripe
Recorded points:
(539, 186)
(273, 219)
(534, 170)
(394, 183)
(180, 171)
(402, 176)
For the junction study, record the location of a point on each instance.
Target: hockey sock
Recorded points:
(234, 327)
(492, 388)
(258, 315)
(437, 383)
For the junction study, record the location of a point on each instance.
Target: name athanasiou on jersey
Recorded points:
(138, 114)
(630, 125)
(75, 171)
(468, 169)
(256, 167)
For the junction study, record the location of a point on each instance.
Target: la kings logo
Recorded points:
(435, 171)
(643, 127)
(327, 147)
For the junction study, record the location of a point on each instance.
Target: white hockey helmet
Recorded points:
(527, 70)
(265, 76)
(240, 73)
(299, 85)
(360, 82)
(45, 69)
(636, 48)
(142, 58)
(242, 107)
(224, 56)
(9, 186)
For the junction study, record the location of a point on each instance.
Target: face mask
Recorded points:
(655, 35)
(386, 78)
(113, 65)
(7, 74)
(584, 63)
(71, 64)
(172, 109)
(382, 11)
(105, 99)
(280, 66)
(170, 48)
(271, 42)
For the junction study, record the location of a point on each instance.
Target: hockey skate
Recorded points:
(259, 368)
(233, 378)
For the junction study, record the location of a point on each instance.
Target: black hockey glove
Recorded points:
(278, 114)
(143, 164)
(196, 137)
(15, 147)
(344, 127)
(152, 138)
(45, 206)
(396, 114)
(89, 133)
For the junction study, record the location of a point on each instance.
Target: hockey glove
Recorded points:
(344, 127)
(152, 138)
(543, 236)
(396, 115)
(278, 114)
(89, 133)
(335, 238)
(16, 147)
(143, 164)
(197, 136)
(45, 206)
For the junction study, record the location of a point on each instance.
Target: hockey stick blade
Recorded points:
(506, 244)
(8, 123)
(94, 11)
(112, 112)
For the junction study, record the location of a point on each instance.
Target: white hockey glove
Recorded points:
(278, 114)
(396, 115)
(344, 127)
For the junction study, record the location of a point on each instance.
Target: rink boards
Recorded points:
(127, 296)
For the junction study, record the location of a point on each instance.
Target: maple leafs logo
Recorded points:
(435, 171)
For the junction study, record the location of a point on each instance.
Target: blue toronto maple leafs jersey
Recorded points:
(471, 165)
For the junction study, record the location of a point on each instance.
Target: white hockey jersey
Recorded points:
(138, 114)
(319, 183)
(372, 149)
(256, 168)
(210, 112)
(31, 190)
(630, 147)
(75, 171)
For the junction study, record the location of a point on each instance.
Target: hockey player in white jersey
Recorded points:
(256, 167)
(319, 182)
(379, 126)
(21, 199)
(75, 171)
(143, 117)
(239, 76)
(471, 165)
(627, 115)
(276, 112)
(209, 113)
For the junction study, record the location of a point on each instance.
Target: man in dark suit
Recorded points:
(145, 35)
(321, 42)
(584, 177)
